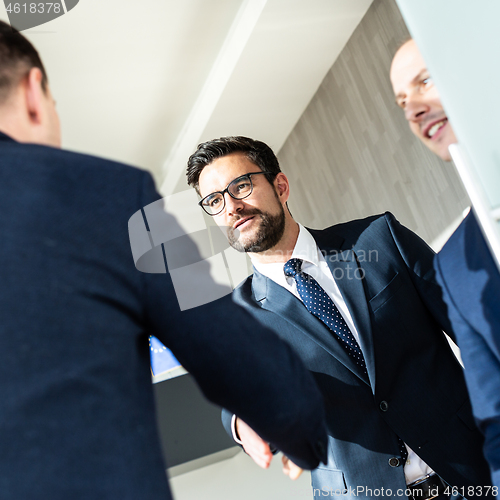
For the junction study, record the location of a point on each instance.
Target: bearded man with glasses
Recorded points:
(359, 303)
(272, 226)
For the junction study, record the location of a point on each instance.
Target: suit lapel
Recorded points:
(278, 300)
(348, 275)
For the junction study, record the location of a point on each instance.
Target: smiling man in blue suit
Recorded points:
(359, 303)
(465, 268)
(77, 414)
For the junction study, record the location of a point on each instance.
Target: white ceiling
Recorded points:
(145, 82)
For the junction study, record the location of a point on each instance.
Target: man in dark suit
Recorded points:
(464, 267)
(359, 303)
(77, 413)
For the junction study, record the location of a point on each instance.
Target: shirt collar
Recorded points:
(306, 248)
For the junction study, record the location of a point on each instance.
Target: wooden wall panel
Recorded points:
(352, 154)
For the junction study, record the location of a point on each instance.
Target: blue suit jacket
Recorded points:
(416, 387)
(76, 403)
(471, 286)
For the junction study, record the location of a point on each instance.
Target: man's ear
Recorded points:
(282, 187)
(34, 95)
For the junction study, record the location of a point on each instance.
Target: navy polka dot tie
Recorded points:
(321, 305)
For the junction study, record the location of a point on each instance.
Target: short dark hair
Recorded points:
(17, 58)
(257, 152)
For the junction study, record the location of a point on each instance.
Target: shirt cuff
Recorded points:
(233, 430)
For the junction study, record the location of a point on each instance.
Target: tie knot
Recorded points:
(292, 267)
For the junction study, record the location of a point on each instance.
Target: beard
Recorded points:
(268, 233)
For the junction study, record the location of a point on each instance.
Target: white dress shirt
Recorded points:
(313, 264)
(316, 266)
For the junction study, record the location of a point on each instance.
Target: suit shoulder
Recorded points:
(88, 176)
(41, 155)
(356, 227)
(467, 251)
(468, 233)
(243, 291)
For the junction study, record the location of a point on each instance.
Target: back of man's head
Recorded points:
(27, 110)
(17, 57)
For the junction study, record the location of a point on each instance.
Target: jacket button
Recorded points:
(384, 405)
(394, 462)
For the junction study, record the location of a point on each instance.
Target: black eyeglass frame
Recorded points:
(249, 175)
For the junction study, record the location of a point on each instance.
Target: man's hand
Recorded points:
(260, 452)
(253, 444)
(290, 469)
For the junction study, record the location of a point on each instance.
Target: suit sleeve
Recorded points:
(419, 259)
(482, 374)
(242, 366)
(470, 281)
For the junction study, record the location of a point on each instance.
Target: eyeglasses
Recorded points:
(239, 188)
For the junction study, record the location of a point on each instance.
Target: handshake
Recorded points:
(260, 451)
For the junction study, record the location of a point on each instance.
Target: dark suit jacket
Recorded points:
(471, 286)
(416, 387)
(76, 404)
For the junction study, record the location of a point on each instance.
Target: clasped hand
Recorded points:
(260, 452)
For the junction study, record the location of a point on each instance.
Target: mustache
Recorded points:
(245, 213)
